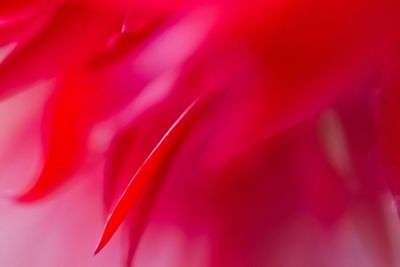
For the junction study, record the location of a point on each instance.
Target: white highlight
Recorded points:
(174, 46)
(6, 50)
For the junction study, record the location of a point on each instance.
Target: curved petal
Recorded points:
(148, 175)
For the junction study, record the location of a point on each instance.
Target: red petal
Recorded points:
(71, 37)
(147, 176)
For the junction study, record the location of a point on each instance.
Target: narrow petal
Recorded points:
(147, 175)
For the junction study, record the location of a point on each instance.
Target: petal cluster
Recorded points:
(239, 133)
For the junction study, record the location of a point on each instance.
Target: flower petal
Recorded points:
(70, 38)
(147, 175)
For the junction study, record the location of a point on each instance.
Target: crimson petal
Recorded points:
(147, 175)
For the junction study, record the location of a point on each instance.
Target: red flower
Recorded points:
(219, 133)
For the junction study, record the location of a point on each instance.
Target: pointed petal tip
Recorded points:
(103, 241)
(105, 237)
(16, 198)
(28, 196)
(98, 248)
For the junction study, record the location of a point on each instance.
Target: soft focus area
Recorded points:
(199, 133)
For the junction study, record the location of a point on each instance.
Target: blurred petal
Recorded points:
(72, 36)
